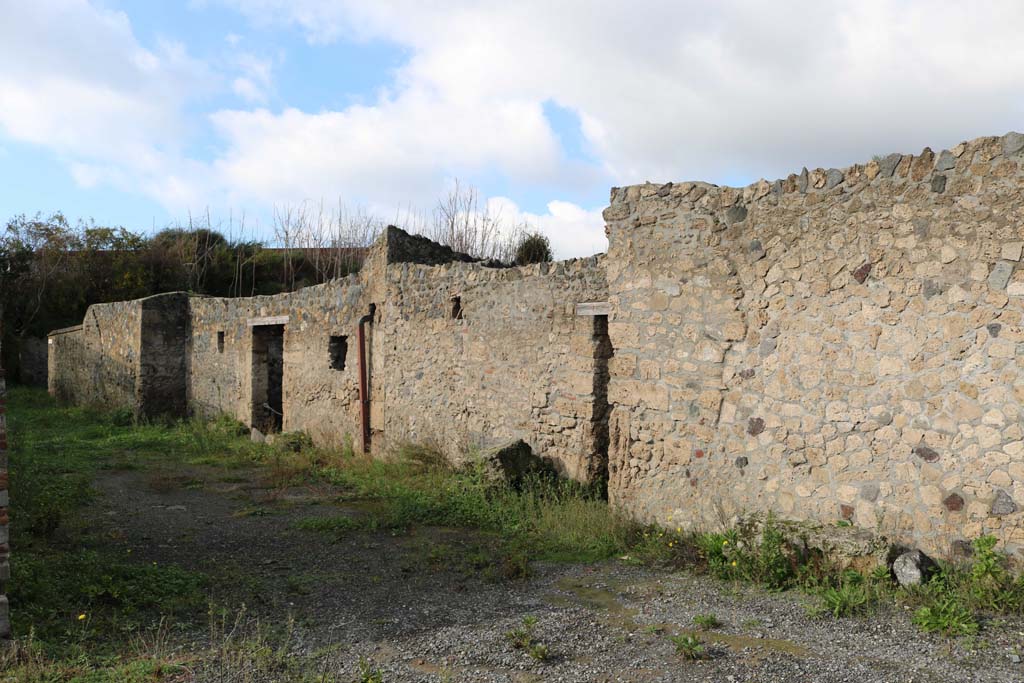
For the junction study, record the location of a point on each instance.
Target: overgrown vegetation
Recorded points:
(51, 270)
(85, 601)
(70, 589)
(953, 602)
(534, 247)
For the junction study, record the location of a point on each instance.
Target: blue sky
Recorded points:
(137, 113)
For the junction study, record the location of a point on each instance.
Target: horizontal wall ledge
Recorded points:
(594, 308)
(271, 320)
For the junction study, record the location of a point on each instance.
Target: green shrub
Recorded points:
(521, 638)
(534, 247)
(764, 557)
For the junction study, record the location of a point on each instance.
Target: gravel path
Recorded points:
(408, 604)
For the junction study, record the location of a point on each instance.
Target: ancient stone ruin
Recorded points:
(837, 346)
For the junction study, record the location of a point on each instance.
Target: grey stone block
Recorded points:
(1013, 143)
(1003, 504)
(887, 165)
(833, 177)
(946, 161)
(1000, 275)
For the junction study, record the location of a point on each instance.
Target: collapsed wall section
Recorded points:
(475, 356)
(838, 345)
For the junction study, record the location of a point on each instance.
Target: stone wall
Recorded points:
(514, 363)
(476, 356)
(127, 354)
(838, 345)
(162, 354)
(5, 550)
(317, 399)
(98, 362)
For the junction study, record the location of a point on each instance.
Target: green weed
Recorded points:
(947, 616)
(521, 638)
(369, 673)
(689, 646)
(706, 622)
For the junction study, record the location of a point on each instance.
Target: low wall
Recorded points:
(838, 345)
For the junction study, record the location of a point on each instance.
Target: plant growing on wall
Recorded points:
(534, 247)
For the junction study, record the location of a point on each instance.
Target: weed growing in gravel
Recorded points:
(947, 616)
(761, 556)
(767, 556)
(689, 646)
(846, 599)
(521, 638)
(368, 673)
(706, 622)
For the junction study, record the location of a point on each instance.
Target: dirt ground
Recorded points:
(416, 606)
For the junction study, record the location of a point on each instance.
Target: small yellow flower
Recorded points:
(679, 529)
(726, 542)
(734, 563)
(670, 544)
(81, 617)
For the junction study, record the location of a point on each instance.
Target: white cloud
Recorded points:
(256, 82)
(664, 90)
(671, 90)
(74, 79)
(396, 151)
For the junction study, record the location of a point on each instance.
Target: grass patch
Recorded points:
(549, 519)
(64, 570)
(338, 525)
(71, 590)
(706, 622)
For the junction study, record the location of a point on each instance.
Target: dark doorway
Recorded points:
(268, 378)
(603, 352)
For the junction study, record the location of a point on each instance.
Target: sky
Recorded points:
(140, 113)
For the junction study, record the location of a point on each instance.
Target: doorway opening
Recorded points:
(603, 353)
(268, 378)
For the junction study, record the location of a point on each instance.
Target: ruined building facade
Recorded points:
(840, 345)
